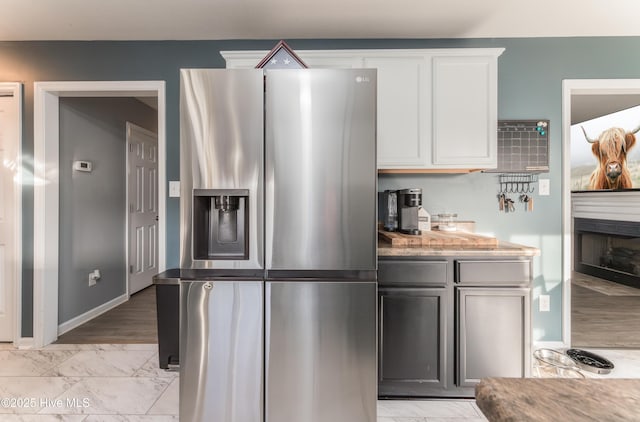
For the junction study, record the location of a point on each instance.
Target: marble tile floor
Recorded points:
(119, 383)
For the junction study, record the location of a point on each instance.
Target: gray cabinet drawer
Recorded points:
(514, 272)
(413, 273)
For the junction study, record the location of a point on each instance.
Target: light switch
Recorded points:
(174, 189)
(543, 187)
(544, 304)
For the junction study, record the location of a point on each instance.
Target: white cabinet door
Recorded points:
(403, 111)
(464, 105)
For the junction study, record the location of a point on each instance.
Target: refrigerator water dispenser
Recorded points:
(220, 224)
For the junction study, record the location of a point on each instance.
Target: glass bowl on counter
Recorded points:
(447, 221)
(553, 364)
(550, 357)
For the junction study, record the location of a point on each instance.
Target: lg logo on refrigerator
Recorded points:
(361, 79)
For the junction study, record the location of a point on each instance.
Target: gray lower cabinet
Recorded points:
(447, 322)
(493, 333)
(412, 341)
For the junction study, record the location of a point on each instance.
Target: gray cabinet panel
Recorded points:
(419, 273)
(492, 272)
(320, 355)
(412, 341)
(493, 333)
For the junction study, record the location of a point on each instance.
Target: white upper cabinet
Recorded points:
(437, 108)
(464, 110)
(403, 99)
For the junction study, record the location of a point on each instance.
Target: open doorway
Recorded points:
(47, 195)
(108, 230)
(601, 300)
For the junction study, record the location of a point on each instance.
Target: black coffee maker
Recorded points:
(409, 201)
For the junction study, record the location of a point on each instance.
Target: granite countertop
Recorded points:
(502, 249)
(557, 399)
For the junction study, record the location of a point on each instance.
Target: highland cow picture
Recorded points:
(604, 154)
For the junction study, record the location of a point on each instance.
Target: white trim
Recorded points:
(17, 309)
(250, 58)
(46, 192)
(578, 87)
(127, 206)
(16, 90)
(567, 87)
(24, 343)
(90, 314)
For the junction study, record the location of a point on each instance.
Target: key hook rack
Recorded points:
(517, 183)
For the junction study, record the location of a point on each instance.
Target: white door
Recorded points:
(142, 197)
(10, 124)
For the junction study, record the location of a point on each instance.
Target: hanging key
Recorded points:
(508, 207)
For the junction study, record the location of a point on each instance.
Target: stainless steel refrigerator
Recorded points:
(278, 245)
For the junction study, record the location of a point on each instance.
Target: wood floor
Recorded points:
(132, 322)
(600, 320)
(597, 320)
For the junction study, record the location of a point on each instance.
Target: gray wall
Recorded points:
(529, 82)
(93, 205)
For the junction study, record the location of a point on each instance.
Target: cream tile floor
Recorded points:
(119, 383)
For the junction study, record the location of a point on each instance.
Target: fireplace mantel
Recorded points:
(606, 205)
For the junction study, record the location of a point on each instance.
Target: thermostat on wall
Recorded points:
(83, 166)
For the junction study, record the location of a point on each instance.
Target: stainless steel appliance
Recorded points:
(409, 202)
(278, 245)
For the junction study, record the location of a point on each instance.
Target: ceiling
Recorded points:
(587, 107)
(289, 19)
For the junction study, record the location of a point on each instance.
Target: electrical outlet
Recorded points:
(543, 187)
(94, 276)
(544, 303)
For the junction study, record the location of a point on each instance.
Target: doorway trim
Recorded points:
(577, 87)
(17, 90)
(46, 186)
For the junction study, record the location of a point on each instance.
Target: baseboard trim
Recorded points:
(24, 343)
(91, 314)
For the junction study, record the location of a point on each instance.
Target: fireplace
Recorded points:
(608, 249)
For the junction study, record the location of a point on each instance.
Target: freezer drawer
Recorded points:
(221, 345)
(320, 354)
